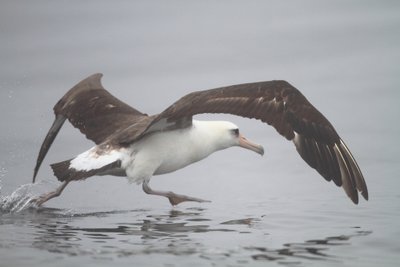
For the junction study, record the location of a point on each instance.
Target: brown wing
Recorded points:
(281, 105)
(91, 109)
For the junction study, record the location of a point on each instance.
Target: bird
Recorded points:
(136, 145)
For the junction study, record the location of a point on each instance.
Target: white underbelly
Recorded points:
(165, 152)
(172, 164)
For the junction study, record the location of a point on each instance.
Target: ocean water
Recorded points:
(273, 210)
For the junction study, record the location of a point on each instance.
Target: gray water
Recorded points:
(272, 210)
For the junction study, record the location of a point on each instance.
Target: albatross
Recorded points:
(135, 145)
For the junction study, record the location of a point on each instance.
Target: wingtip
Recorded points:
(354, 198)
(356, 174)
(35, 171)
(365, 195)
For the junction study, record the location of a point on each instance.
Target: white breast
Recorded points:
(165, 152)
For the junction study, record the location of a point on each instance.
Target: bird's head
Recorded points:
(227, 135)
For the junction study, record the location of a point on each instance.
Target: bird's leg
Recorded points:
(45, 197)
(173, 198)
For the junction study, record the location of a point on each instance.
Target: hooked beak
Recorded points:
(243, 142)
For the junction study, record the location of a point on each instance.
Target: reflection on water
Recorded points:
(317, 249)
(174, 232)
(154, 233)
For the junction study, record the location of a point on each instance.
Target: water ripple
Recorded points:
(315, 250)
(174, 232)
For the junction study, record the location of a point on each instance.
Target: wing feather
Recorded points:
(94, 111)
(91, 109)
(282, 106)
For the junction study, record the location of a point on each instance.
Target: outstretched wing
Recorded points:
(281, 105)
(91, 109)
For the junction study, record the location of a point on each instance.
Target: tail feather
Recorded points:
(61, 170)
(64, 172)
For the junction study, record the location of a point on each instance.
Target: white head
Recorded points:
(225, 134)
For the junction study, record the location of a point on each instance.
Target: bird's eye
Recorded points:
(235, 132)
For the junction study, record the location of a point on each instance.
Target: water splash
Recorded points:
(18, 200)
